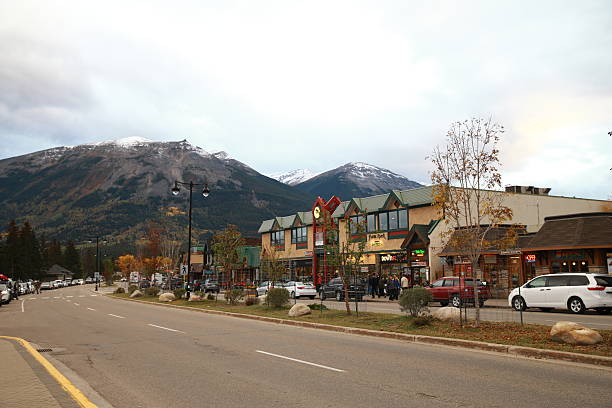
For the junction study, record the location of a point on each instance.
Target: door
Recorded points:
(557, 291)
(534, 292)
(436, 289)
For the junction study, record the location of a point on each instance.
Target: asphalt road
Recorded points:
(589, 319)
(138, 355)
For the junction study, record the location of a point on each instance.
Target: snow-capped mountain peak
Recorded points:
(293, 177)
(126, 141)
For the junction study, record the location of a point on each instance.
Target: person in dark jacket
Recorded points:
(374, 286)
(382, 283)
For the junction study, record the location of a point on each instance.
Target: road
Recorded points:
(535, 316)
(139, 355)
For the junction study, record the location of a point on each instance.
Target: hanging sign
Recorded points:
(530, 258)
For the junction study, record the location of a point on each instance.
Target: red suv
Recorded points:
(456, 290)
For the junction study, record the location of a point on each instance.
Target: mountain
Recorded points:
(293, 177)
(117, 187)
(355, 180)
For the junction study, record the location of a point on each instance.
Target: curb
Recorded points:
(73, 391)
(530, 352)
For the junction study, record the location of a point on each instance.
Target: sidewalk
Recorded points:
(27, 382)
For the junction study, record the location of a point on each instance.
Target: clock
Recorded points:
(317, 212)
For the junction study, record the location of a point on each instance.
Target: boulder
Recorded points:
(194, 298)
(136, 294)
(447, 313)
(167, 297)
(574, 333)
(299, 309)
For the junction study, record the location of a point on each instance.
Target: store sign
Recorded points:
(307, 253)
(530, 258)
(418, 263)
(462, 260)
(490, 259)
(417, 252)
(377, 240)
(569, 255)
(399, 257)
(510, 251)
(319, 239)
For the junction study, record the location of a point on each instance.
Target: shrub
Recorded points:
(210, 296)
(251, 300)
(421, 321)
(233, 296)
(119, 290)
(179, 293)
(277, 297)
(151, 291)
(317, 306)
(415, 301)
(132, 288)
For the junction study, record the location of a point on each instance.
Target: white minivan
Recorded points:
(574, 291)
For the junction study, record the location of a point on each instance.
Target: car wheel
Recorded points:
(444, 303)
(292, 295)
(455, 300)
(575, 305)
(339, 296)
(518, 303)
(322, 295)
(603, 310)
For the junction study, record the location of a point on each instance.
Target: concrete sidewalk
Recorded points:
(26, 382)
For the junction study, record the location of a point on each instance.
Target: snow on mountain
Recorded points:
(126, 142)
(293, 177)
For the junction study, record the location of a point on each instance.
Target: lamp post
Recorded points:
(97, 262)
(205, 193)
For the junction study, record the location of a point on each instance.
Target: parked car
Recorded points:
(46, 285)
(80, 281)
(89, 279)
(5, 293)
(211, 285)
(22, 287)
(299, 289)
(57, 284)
(144, 284)
(574, 291)
(456, 291)
(265, 286)
(335, 289)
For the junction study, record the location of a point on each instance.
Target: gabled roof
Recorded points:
(304, 217)
(285, 222)
(266, 226)
(415, 196)
(592, 230)
(367, 204)
(340, 210)
(493, 239)
(392, 196)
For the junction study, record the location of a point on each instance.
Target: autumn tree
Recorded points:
(271, 266)
(225, 247)
(127, 264)
(466, 192)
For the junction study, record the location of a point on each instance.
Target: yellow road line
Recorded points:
(74, 392)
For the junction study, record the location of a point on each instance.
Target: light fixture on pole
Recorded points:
(205, 193)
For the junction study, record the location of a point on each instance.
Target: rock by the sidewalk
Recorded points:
(194, 298)
(136, 294)
(447, 313)
(299, 309)
(167, 297)
(574, 333)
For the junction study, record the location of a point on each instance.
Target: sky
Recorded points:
(283, 85)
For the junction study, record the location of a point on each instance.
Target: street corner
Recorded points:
(30, 380)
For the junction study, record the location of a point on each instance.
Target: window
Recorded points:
(393, 224)
(278, 238)
(403, 218)
(299, 235)
(557, 280)
(600, 280)
(450, 282)
(437, 283)
(578, 281)
(371, 222)
(537, 283)
(356, 223)
(383, 221)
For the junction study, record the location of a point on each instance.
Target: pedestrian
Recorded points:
(375, 280)
(405, 283)
(382, 283)
(395, 284)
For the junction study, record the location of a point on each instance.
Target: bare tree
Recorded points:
(225, 247)
(466, 183)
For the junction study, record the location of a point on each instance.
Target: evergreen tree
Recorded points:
(54, 254)
(72, 260)
(12, 250)
(88, 261)
(30, 261)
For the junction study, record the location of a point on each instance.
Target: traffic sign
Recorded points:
(183, 270)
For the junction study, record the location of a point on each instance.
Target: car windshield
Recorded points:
(604, 281)
(2, 286)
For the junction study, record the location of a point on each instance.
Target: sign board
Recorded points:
(398, 257)
(183, 270)
(96, 275)
(530, 258)
(510, 251)
(364, 269)
(319, 239)
(134, 276)
(418, 263)
(307, 253)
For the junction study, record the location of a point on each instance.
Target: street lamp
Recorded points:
(205, 193)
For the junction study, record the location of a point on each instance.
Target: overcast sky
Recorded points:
(281, 85)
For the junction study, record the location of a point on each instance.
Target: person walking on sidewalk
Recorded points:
(375, 280)
(382, 283)
(405, 283)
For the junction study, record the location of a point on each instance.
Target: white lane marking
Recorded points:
(22, 309)
(76, 304)
(32, 298)
(301, 361)
(46, 297)
(82, 296)
(165, 328)
(89, 308)
(120, 317)
(69, 296)
(56, 297)
(93, 295)
(67, 300)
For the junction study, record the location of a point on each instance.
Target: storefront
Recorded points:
(394, 263)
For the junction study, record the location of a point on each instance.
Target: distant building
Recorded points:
(57, 272)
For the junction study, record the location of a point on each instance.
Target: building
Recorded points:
(404, 234)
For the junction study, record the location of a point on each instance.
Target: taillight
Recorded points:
(597, 288)
(300, 287)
